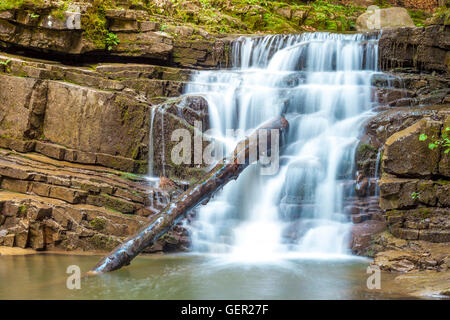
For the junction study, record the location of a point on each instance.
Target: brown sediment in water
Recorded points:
(14, 251)
(425, 284)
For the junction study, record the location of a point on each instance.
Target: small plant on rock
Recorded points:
(5, 64)
(415, 195)
(444, 141)
(111, 40)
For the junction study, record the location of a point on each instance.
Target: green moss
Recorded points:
(220, 16)
(130, 176)
(63, 6)
(23, 209)
(102, 242)
(419, 17)
(97, 224)
(17, 4)
(365, 151)
(244, 16)
(95, 24)
(443, 182)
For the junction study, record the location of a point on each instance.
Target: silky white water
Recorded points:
(321, 82)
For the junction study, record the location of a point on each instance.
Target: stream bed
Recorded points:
(186, 276)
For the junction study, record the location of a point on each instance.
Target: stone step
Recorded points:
(149, 81)
(77, 184)
(44, 223)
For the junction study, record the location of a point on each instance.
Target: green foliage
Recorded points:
(248, 16)
(15, 4)
(442, 15)
(97, 224)
(129, 175)
(382, 3)
(111, 40)
(34, 15)
(23, 209)
(5, 64)
(444, 141)
(419, 17)
(96, 27)
(63, 6)
(415, 195)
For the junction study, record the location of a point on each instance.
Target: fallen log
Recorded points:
(200, 192)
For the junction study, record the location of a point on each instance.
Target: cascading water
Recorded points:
(321, 82)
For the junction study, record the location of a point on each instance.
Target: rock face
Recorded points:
(388, 18)
(138, 35)
(417, 207)
(51, 204)
(99, 116)
(424, 49)
(413, 187)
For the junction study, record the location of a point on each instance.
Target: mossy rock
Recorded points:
(97, 224)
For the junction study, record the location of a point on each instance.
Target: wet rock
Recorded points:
(362, 184)
(363, 234)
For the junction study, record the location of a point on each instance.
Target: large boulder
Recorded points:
(406, 155)
(388, 18)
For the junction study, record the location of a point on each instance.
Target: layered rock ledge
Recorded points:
(50, 204)
(98, 114)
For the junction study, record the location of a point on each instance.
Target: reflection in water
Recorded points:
(186, 277)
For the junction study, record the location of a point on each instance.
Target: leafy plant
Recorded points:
(6, 65)
(94, 22)
(444, 141)
(111, 40)
(34, 15)
(415, 195)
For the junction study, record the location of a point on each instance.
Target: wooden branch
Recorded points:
(218, 177)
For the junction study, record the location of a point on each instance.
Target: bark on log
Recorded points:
(220, 175)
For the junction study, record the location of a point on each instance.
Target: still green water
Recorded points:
(43, 276)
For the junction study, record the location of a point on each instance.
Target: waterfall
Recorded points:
(376, 175)
(322, 83)
(151, 177)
